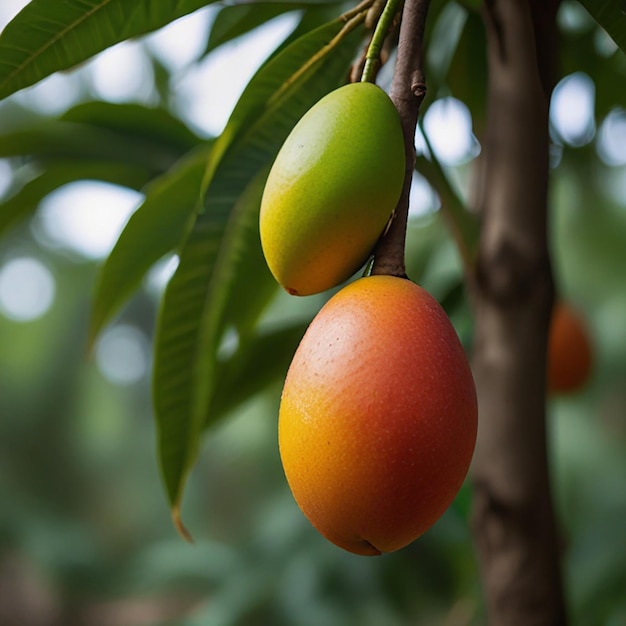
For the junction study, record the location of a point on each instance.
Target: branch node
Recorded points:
(419, 90)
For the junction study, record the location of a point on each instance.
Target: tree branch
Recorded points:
(408, 89)
(513, 520)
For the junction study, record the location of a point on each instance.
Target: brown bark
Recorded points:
(513, 521)
(408, 89)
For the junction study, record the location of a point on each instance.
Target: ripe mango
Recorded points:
(332, 189)
(570, 350)
(378, 416)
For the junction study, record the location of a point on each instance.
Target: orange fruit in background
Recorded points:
(378, 416)
(570, 353)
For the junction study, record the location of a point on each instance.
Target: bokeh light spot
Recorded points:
(611, 143)
(86, 217)
(122, 354)
(448, 125)
(181, 42)
(208, 92)
(123, 73)
(27, 289)
(572, 109)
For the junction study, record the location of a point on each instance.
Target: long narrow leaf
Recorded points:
(157, 227)
(192, 318)
(610, 14)
(242, 376)
(54, 139)
(176, 349)
(236, 20)
(24, 202)
(48, 36)
(148, 124)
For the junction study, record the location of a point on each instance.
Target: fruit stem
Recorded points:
(408, 89)
(372, 56)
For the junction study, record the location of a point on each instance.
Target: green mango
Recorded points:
(332, 189)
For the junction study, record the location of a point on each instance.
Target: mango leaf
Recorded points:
(192, 317)
(177, 340)
(46, 36)
(607, 71)
(467, 75)
(463, 225)
(611, 15)
(50, 140)
(236, 20)
(255, 286)
(443, 42)
(257, 363)
(147, 124)
(24, 202)
(157, 227)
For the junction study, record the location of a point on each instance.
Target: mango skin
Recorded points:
(332, 189)
(378, 416)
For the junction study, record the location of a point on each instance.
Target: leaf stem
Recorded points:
(408, 89)
(372, 57)
(362, 7)
(352, 20)
(465, 226)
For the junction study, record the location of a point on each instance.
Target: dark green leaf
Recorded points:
(192, 319)
(442, 44)
(579, 53)
(467, 75)
(49, 36)
(259, 362)
(155, 228)
(52, 140)
(611, 15)
(178, 343)
(236, 20)
(135, 120)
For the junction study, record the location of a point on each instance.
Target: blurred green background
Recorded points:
(85, 532)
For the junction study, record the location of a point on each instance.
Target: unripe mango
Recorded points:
(332, 189)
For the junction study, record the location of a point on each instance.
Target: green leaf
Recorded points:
(241, 18)
(578, 52)
(48, 36)
(148, 124)
(236, 20)
(258, 363)
(443, 42)
(157, 227)
(611, 15)
(178, 340)
(464, 226)
(50, 140)
(24, 202)
(467, 75)
(192, 320)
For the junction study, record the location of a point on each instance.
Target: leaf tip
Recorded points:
(178, 524)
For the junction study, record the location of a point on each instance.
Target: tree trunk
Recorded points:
(511, 289)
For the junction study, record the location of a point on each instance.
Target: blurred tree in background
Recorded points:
(85, 534)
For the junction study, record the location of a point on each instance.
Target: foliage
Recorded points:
(200, 202)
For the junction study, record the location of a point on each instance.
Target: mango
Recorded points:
(378, 416)
(570, 350)
(332, 189)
